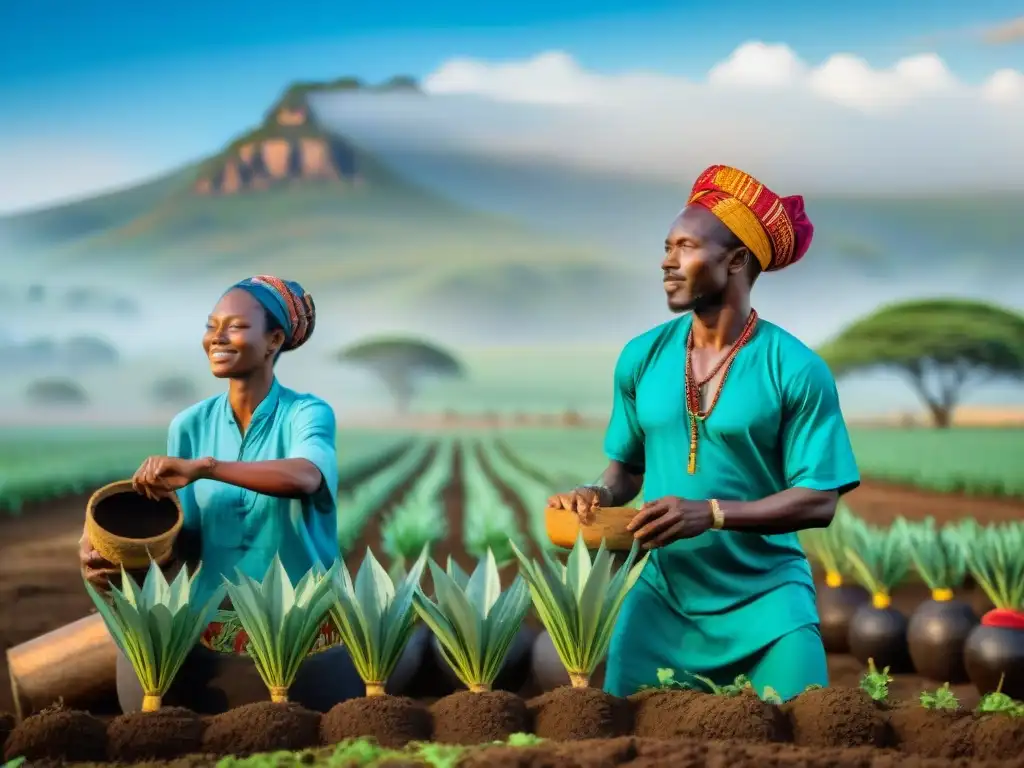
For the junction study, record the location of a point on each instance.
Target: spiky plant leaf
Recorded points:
(155, 626)
(937, 555)
(474, 621)
(375, 617)
(828, 545)
(579, 601)
(879, 558)
(281, 620)
(995, 558)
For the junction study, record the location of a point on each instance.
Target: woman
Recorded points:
(256, 473)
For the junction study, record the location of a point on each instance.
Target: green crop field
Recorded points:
(36, 465)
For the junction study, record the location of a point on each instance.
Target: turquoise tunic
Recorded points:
(243, 529)
(715, 604)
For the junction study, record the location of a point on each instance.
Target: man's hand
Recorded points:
(160, 476)
(581, 501)
(669, 519)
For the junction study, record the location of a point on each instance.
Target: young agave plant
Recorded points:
(473, 620)
(281, 620)
(155, 626)
(375, 617)
(579, 602)
(879, 560)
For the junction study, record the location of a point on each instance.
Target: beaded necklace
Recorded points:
(693, 386)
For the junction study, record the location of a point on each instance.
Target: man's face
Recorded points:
(697, 265)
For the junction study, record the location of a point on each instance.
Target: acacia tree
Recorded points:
(942, 347)
(56, 391)
(401, 363)
(174, 390)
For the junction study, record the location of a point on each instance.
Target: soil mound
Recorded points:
(931, 733)
(621, 751)
(998, 737)
(475, 718)
(262, 727)
(662, 714)
(161, 735)
(745, 717)
(393, 721)
(570, 714)
(836, 717)
(58, 735)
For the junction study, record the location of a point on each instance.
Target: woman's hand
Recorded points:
(160, 476)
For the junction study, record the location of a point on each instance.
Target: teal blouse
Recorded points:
(777, 425)
(242, 529)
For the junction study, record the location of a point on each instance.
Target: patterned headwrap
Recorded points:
(290, 305)
(775, 229)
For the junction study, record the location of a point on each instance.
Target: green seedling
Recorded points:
(735, 688)
(874, 683)
(998, 703)
(940, 698)
(771, 696)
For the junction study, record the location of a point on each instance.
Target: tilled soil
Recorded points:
(583, 727)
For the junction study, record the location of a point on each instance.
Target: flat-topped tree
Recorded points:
(401, 363)
(942, 347)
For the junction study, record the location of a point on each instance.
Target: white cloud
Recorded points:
(839, 125)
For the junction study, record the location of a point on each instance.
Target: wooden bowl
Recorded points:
(128, 529)
(608, 523)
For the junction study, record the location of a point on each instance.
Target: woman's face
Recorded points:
(237, 341)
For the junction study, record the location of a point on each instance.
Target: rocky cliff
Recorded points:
(289, 146)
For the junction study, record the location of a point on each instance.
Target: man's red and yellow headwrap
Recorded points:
(775, 229)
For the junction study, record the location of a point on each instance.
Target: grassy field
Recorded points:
(39, 464)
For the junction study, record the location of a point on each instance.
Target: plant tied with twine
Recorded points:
(879, 559)
(281, 620)
(938, 556)
(474, 621)
(375, 617)
(827, 546)
(578, 602)
(156, 626)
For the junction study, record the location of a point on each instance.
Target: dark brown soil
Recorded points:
(836, 717)
(663, 714)
(476, 718)
(133, 516)
(744, 717)
(160, 735)
(262, 727)
(393, 721)
(569, 714)
(931, 733)
(58, 734)
(7, 722)
(998, 737)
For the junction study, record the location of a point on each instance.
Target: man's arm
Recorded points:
(792, 510)
(619, 484)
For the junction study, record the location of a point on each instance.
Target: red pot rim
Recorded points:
(1004, 618)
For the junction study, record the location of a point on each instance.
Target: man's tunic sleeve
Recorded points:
(624, 438)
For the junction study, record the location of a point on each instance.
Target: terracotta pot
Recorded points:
(514, 672)
(936, 634)
(880, 634)
(994, 650)
(609, 523)
(836, 606)
(549, 672)
(128, 529)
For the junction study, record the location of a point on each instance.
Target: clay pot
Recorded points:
(514, 672)
(549, 672)
(936, 634)
(608, 523)
(994, 650)
(836, 606)
(129, 529)
(880, 634)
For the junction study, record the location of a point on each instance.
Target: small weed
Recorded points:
(874, 683)
(940, 698)
(998, 703)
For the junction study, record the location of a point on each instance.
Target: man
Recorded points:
(733, 429)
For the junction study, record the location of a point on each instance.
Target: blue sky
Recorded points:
(147, 86)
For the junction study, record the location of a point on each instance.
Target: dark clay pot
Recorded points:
(936, 634)
(992, 652)
(409, 662)
(880, 634)
(836, 606)
(514, 672)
